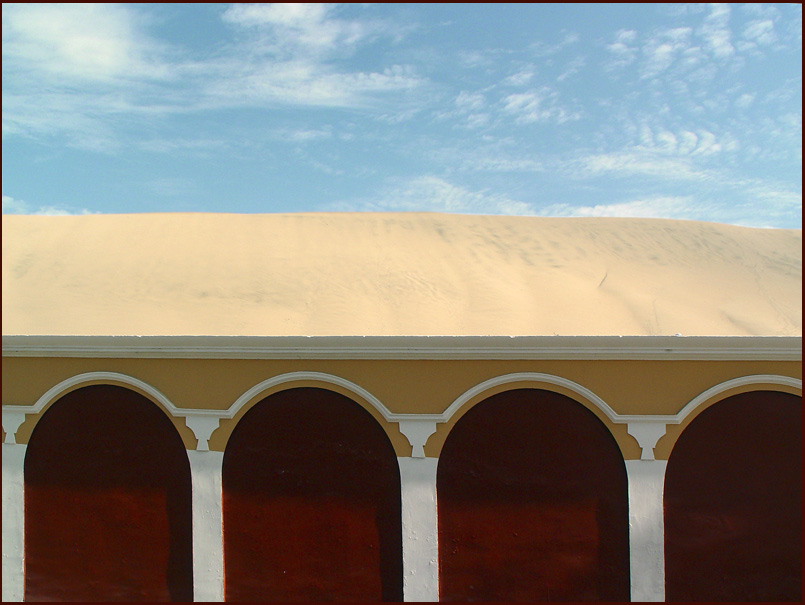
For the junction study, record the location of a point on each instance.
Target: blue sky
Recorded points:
(671, 111)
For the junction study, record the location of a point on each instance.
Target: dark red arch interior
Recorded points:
(532, 503)
(311, 503)
(107, 502)
(733, 502)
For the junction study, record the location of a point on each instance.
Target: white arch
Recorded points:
(415, 427)
(106, 377)
(712, 392)
(14, 415)
(534, 377)
(264, 386)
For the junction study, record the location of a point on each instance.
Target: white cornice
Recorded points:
(751, 348)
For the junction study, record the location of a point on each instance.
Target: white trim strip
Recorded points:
(532, 377)
(417, 428)
(777, 348)
(732, 384)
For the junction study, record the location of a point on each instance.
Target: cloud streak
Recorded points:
(73, 70)
(434, 194)
(14, 206)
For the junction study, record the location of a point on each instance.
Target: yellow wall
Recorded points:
(403, 386)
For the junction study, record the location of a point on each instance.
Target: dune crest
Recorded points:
(389, 274)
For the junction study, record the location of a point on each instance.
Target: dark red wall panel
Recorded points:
(311, 503)
(733, 502)
(107, 502)
(532, 503)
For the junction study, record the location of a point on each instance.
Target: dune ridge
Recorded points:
(389, 274)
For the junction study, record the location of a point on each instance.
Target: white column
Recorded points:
(13, 522)
(646, 529)
(420, 539)
(208, 534)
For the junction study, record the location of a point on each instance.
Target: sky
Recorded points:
(683, 111)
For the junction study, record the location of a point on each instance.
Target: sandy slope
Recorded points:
(396, 274)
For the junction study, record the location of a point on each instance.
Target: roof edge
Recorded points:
(776, 348)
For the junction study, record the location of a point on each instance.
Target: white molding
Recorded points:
(417, 431)
(106, 378)
(12, 420)
(269, 383)
(778, 348)
(203, 426)
(646, 429)
(531, 377)
(647, 435)
(415, 427)
(11, 413)
(727, 385)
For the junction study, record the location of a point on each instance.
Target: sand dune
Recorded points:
(396, 274)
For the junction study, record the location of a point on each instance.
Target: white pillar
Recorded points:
(646, 529)
(208, 534)
(13, 522)
(420, 539)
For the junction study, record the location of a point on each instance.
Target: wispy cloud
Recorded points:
(434, 194)
(520, 78)
(656, 207)
(631, 163)
(74, 70)
(662, 50)
(623, 51)
(572, 68)
(716, 32)
(14, 206)
(92, 43)
(540, 105)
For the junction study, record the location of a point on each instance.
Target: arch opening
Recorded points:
(312, 505)
(733, 502)
(107, 501)
(532, 500)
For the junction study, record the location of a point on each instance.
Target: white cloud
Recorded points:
(622, 53)
(469, 101)
(501, 164)
(295, 27)
(745, 100)
(667, 141)
(707, 144)
(662, 50)
(687, 141)
(434, 194)
(641, 162)
(537, 106)
(292, 56)
(299, 15)
(760, 31)
(659, 142)
(82, 42)
(310, 134)
(163, 145)
(74, 70)
(716, 32)
(521, 78)
(572, 68)
(13, 206)
(657, 207)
